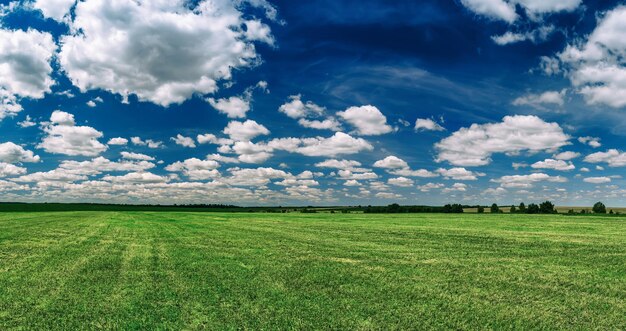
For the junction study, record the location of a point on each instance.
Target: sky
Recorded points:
(320, 102)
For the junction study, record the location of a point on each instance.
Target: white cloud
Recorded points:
(391, 162)
(591, 141)
(459, 174)
(24, 67)
(62, 118)
(401, 182)
(327, 124)
(456, 187)
(7, 169)
(596, 66)
(538, 35)
(474, 146)
(136, 178)
(119, 141)
(367, 120)
(27, 122)
(55, 9)
(566, 156)
(505, 9)
(100, 164)
(340, 143)
(184, 141)
(196, 169)
(136, 156)
(495, 9)
(63, 137)
(554, 165)
(597, 180)
(12, 153)
(527, 181)
(296, 109)
(149, 142)
(308, 114)
(427, 124)
(209, 138)
(613, 157)
(233, 107)
(430, 186)
(189, 50)
(245, 131)
(554, 98)
(252, 153)
(91, 104)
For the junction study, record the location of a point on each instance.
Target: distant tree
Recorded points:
(481, 209)
(583, 211)
(513, 210)
(532, 209)
(599, 208)
(611, 212)
(394, 208)
(547, 207)
(522, 208)
(495, 209)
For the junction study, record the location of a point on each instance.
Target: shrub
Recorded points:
(495, 209)
(547, 207)
(481, 209)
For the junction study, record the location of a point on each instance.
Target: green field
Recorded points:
(162, 270)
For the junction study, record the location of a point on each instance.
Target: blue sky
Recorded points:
(261, 102)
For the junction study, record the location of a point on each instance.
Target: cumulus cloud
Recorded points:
(63, 137)
(566, 156)
(591, 141)
(494, 9)
(391, 162)
(7, 169)
(504, 10)
(536, 36)
(12, 153)
(401, 182)
(119, 141)
(55, 9)
(149, 142)
(399, 167)
(474, 146)
(367, 120)
(427, 124)
(136, 156)
(527, 181)
(24, 67)
(245, 131)
(456, 187)
(196, 169)
(296, 109)
(338, 144)
(459, 174)
(596, 67)
(553, 165)
(190, 49)
(430, 186)
(597, 180)
(549, 98)
(27, 122)
(136, 178)
(612, 157)
(309, 115)
(184, 141)
(233, 107)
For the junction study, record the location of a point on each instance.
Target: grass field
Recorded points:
(149, 270)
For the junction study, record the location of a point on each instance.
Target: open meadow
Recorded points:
(173, 270)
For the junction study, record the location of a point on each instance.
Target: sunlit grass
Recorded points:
(140, 270)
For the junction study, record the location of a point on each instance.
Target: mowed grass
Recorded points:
(150, 270)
